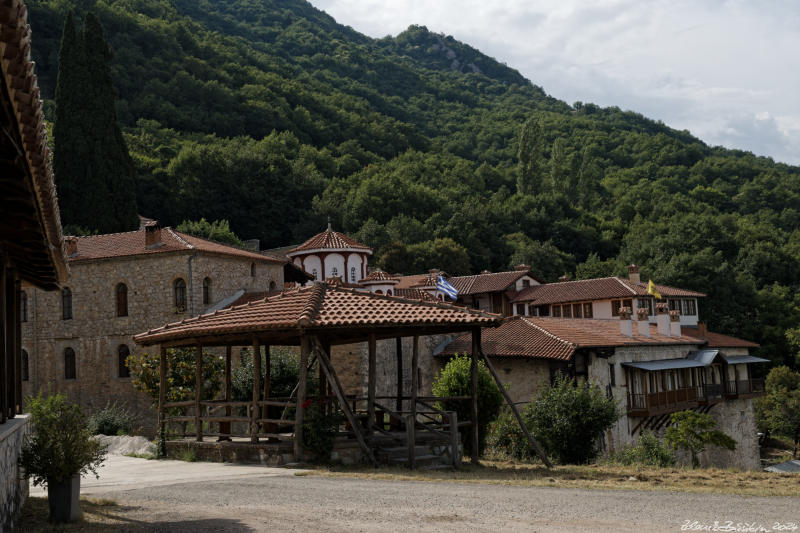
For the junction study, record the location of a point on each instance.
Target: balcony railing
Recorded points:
(710, 393)
(662, 402)
(745, 388)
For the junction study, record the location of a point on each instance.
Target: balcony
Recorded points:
(748, 388)
(710, 394)
(659, 403)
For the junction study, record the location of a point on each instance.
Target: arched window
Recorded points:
(66, 303)
(69, 364)
(122, 299)
(180, 295)
(272, 286)
(25, 368)
(378, 291)
(314, 273)
(122, 365)
(352, 274)
(23, 306)
(334, 272)
(206, 291)
(253, 269)
(388, 292)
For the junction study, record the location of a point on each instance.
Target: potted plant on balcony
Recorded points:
(58, 451)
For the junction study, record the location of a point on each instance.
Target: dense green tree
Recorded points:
(218, 230)
(92, 167)
(694, 432)
(779, 409)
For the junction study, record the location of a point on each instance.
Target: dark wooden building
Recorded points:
(31, 243)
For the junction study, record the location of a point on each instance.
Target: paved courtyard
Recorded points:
(180, 496)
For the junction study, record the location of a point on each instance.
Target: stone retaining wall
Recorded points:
(13, 488)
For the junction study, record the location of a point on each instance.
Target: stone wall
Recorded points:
(13, 487)
(95, 332)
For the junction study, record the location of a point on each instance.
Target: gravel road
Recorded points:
(224, 498)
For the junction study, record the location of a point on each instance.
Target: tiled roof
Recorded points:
(330, 240)
(132, 243)
(594, 289)
(379, 276)
(320, 306)
(414, 280)
(718, 340)
(25, 104)
(557, 338)
(415, 294)
(491, 282)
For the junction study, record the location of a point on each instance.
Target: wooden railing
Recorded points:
(231, 418)
(663, 401)
(745, 387)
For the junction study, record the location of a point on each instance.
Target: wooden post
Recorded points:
(162, 400)
(225, 427)
(399, 352)
(412, 417)
(534, 443)
(371, 379)
(198, 393)
(305, 348)
(455, 439)
(411, 440)
(476, 343)
(18, 347)
(3, 348)
(267, 386)
(256, 390)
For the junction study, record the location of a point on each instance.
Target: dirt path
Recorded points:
(193, 497)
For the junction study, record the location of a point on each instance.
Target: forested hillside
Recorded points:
(271, 115)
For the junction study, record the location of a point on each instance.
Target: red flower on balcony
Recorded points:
(306, 404)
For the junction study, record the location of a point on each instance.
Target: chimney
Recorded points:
(71, 246)
(643, 322)
(625, 322)
(152, 235)
(633, 274)
(675, 323)
(486, 271)
(565, 277)
(522, 267)
(662, 319)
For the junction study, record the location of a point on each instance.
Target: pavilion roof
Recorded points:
(348, 313)
(329, 240)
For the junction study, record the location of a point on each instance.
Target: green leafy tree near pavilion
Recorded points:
(93, 170)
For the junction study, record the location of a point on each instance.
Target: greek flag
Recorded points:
(446, 288)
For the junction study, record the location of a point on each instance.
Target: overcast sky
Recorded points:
(728, 71)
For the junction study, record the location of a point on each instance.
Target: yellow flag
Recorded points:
(651, 289)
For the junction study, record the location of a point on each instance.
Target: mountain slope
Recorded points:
(273, 116)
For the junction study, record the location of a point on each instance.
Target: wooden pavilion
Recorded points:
(315, 318)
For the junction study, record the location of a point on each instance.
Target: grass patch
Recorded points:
(98, 514)
(600, 476)
(148, 456)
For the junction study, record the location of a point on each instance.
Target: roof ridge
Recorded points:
(309, 312)
(552, 335)
(624, 283)
(179, 238)
(103, 234)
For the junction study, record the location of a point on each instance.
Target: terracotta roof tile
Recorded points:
(415, 294)
(319, 306)
(330, 240)
(593, 289)
(491, 282)
(718, 340)
(132, 243)
(557, 338)
(379, 276)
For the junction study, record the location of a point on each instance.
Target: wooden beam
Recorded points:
(412, 418)
(267, 386)
(305, 349)
(162, 400)
(333, 380)
(225, 427)
(3, 345)
(371, 382)
(256, 390)
(198, 393)
(531, 439)
(399, 352)
(476, 343)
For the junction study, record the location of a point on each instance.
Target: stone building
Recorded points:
(75, 341)
(331, 254)
(31, 245)
(652, 371)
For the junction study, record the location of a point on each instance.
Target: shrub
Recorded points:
(60, 446)
(284, 374)
(113, 419)
(779, 409)
(181, 374)
(648, 451)
(569, 418)
(506, 438)
(455, 380)
(319, 427)
(693, 431)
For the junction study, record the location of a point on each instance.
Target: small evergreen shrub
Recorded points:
(506, 439)
(569, 418)
(455, 380)
(693, 432)
(648, 451)
(319, 428)
(113, 419)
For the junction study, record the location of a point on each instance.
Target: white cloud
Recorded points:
(726, 70)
